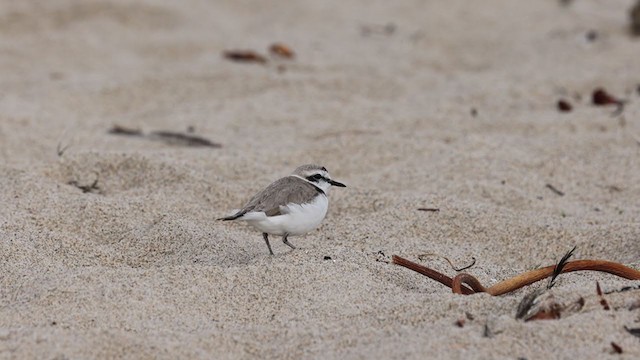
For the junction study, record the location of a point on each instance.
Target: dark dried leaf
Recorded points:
(558, 269)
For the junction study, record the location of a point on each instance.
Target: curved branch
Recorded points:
(430, 273)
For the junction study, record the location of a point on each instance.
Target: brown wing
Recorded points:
(292, 189)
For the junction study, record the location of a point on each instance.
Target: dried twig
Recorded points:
(622, 289)
(554, 189)
(61, 149)
(429, 209)
(603, 301)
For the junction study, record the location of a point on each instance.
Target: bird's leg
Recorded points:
(266, 239)
(284, 240)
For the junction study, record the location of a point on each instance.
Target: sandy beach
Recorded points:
(109, 246)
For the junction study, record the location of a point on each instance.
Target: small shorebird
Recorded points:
(293, 205)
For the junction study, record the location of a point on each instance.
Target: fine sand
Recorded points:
(108, 243)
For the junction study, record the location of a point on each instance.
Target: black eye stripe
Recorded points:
(316, 177)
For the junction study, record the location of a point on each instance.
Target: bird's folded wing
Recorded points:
(273, 199)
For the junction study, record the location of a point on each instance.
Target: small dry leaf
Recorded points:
(601, 97)
(282, 50)
(564, 106)
(616, 348)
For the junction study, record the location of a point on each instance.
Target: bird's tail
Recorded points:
(232, 217)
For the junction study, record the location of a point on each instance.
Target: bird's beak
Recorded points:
(335, 183)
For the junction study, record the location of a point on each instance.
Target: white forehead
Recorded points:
(317, 171)
(308, 170)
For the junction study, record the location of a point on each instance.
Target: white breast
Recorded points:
(297, 219)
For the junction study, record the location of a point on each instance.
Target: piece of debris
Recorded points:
(623, 289)
(460, 322)
(558, 269)
(603, 301)
(381, 257)
(121, 130)
(616, 348)
(540, 304)
(600, 97)
(554, 189)
(591, 35)
(424, 256)
(564, 106)
(61, 149)
(467, 284)
(175, 138)
(634, 17)
(429, 209)
(169, 137)
(474, 112)
(245, 56)
(282, 51)
(633, 331)
(387, 30)
(86, 188)
(327, 257)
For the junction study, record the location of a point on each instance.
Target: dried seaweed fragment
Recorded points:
(244, 56)
(467, 284)
(121, 130)
(176, 138)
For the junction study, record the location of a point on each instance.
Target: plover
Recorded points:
(293, 205)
